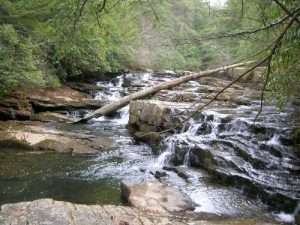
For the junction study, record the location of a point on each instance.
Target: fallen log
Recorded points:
(107, 109)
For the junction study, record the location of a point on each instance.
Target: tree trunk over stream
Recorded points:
(112, 107)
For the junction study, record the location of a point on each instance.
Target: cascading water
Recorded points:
(240, 149)
(114, 94)
(165, 158)
(236, 147)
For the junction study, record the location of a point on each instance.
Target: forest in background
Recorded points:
(45, 42)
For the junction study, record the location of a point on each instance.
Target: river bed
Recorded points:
(26, 176)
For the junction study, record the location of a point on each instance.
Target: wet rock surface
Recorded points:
(261, 158)
(218, 146)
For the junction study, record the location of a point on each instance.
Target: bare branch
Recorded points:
(242, 12)
(286, 10)
(79, 14)
(268, 58)
(101, 9)
(263, 90)
(242, 33)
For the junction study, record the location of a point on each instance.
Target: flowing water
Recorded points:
(96, 179)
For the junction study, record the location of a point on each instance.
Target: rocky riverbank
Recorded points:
(260, 159)
(50, 212)
(38, 136)
(28, 105)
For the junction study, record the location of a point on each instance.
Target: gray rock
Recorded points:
(50, 212)
(152, 116)
(56, 104)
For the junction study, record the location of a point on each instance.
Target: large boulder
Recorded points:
(255, 75)
(150, 116)
(155, 197)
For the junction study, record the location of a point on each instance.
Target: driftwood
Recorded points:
(107, 109)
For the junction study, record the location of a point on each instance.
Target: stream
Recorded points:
(96, 179)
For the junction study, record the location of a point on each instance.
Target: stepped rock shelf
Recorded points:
(199, 173)
(219, 142)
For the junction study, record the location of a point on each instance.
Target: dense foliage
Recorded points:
(252, 20)
(44, 42)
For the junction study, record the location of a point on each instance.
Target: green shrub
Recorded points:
(18, 65)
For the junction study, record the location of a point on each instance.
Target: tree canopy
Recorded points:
(43, 42)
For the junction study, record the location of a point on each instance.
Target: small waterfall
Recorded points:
(238, 126)
(104, 84)
(120, 81)
(114, 95)
(123, 116)
(146, 76)
(193, 129)
(186, 161)
(274, 141)
(165, 157)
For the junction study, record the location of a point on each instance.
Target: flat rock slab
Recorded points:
(50, 212)
(156, 197)
(38, 137)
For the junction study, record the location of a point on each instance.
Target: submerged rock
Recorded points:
(155, 197)
(102, 143)
(181, 171)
